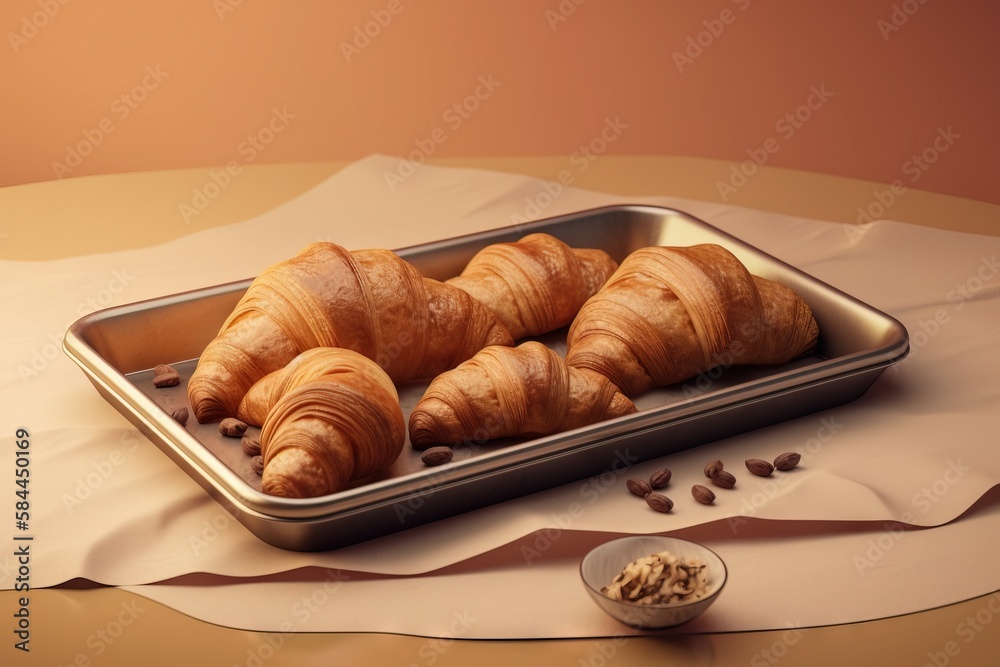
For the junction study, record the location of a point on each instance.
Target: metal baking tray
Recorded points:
(118, 347)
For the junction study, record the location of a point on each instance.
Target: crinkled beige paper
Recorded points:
(918, 450)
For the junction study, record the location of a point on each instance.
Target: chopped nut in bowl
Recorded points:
(653, 582)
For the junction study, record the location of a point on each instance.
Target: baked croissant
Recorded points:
(526, 390)
(535, 285)
(329, 417)
(669, 314)
(369, 301)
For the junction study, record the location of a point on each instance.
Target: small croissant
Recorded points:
(670, 313)
(329, 417)
(369, 301)
(535, 285)
(526, 390)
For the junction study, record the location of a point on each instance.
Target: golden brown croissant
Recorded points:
(512, 391)
(369, 301)
(329, 417)
(537, 284)
(669, 314)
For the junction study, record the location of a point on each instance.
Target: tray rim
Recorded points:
(153, 420)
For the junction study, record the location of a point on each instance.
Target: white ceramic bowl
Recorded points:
(606, 561)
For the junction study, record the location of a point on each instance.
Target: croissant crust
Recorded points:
(670, 313)
(331, 416)
(368, 301)
(524, 391)
(535, 285)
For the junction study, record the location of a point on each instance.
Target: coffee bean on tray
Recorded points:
(165, 375)
(232, 427)
(436, 456)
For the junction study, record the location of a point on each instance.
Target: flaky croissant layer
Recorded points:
(368, 301)
(329, 417)
(524, 391)
(535, 285)
(670, 313)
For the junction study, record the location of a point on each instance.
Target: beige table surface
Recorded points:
(105, 213)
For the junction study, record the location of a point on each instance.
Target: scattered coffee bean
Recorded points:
(723, 479)
(436, 456)
(251, 445)
(180, 415)
(703, 494)
(165, 376)
(659, 502)
(638, 487)
(660, 478)
(712, 468)
(787, 461)
(257, 463)
(759, 467)
(232, 427)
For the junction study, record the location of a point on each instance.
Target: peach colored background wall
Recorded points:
(99, 86)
